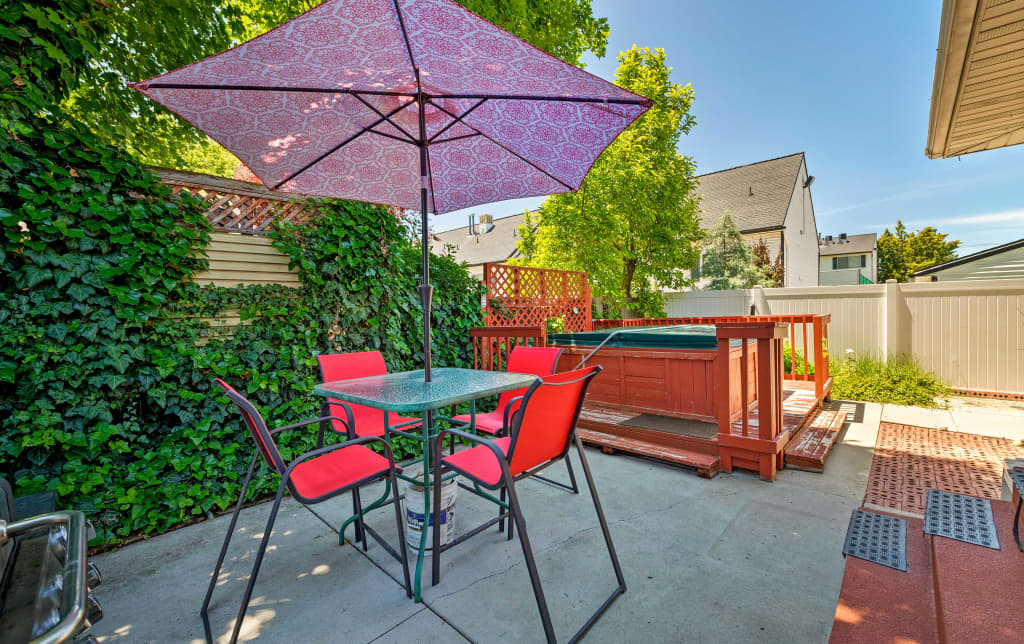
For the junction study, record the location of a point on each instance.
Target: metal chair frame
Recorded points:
(277, 463)
(507, 485)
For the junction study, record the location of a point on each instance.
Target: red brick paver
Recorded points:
(908, 460)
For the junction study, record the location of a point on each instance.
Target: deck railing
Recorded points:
(751, 445)
(808, 340)
(493, 344)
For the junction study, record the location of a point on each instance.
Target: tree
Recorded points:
(728, 261)
(774, 270)
(144, 39)
(634, 224)
(902, 253)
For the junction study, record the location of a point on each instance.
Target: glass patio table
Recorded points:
(407, 392)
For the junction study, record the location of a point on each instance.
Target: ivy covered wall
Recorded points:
(106, 351)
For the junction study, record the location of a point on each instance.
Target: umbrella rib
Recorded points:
(510, 151)
(388, 118)
(368, 128)
(264, 88)
(456, 138)
(405, 36)
(456, 121)
(565, 99)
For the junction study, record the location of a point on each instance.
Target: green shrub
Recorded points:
(899, 381)
(788, 359)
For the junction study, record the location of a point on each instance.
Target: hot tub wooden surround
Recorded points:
(716, 407)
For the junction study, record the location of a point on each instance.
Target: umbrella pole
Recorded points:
(425, 288)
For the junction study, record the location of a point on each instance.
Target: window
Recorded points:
(849, 261)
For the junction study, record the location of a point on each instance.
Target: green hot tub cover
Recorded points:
(693, 336)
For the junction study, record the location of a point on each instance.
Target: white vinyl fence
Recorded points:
(970, 333)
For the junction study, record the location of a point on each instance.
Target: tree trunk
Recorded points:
(627, 287)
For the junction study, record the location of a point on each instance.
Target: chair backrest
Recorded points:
(256, 426)
(348, 366)
(538, 361)
(546, 420)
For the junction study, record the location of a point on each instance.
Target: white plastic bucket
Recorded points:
(414, 514)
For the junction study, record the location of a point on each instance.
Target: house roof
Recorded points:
(496, 245)
(981, 255)
(976, 91)
(757, 194)
(852, 244)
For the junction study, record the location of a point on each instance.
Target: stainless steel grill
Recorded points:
(45, 577)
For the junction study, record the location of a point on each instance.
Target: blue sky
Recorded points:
(847, 83)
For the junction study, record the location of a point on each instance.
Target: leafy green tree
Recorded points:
(144, 39)
(728, 260)
(774, 269)
(634, 223)
(901, 253)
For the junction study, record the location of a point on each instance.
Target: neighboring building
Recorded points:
(769, 200)
(489, 241)
(848, 259)
(998, 263)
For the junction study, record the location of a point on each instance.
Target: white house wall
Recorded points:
(801, 236)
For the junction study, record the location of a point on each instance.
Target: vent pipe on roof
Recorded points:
(751, 188)
(472, 225)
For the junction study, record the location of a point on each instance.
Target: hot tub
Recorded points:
(661, 371)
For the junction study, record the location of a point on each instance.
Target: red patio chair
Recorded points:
(541, 434)
(360, 421)
(539, 361)
(316, 476)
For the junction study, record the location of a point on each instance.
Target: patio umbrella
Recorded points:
(418, 104)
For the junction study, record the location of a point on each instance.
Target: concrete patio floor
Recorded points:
(727, 559)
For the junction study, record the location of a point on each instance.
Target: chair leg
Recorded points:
(259, 560)
(501, 511)
(204, 611)
(531, 564)
(607, 540)
(358, 511)
(357, 503)
(401, 532)
(572, 475)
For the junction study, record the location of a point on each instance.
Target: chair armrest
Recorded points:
(471, 438)
(309, 422)
(506, 421)
(350, 423)
(331, 448)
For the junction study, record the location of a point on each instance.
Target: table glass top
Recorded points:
(407, 391)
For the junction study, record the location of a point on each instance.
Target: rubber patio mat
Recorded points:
(909, 459)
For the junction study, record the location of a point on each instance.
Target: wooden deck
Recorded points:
(809, 432)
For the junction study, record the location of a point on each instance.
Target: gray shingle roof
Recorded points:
(853, 244)
(757, 194)
(495, 246)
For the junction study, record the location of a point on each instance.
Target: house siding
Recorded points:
(800, 236)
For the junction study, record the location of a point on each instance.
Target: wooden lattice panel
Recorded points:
(522, 296)
(238, 206)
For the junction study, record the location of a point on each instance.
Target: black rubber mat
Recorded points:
(964, 518)
(877, 538)
(679, 426)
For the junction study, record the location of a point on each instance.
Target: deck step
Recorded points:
(705, 464)
(809, 448)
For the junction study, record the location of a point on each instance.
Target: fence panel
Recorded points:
(971, 333)
(708, 303)
(858, 314)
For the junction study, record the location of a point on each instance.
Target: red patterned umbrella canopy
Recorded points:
(419, 104)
